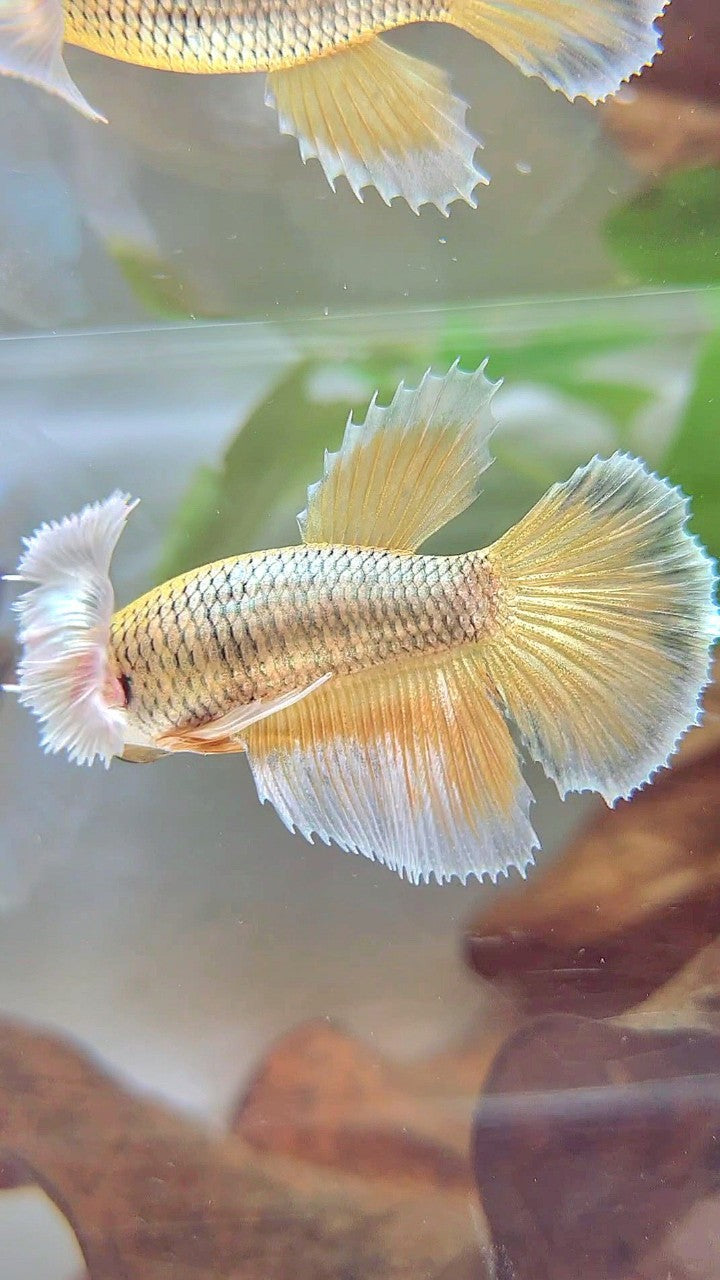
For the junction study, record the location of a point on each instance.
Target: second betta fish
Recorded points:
(370, 685)
(358, 105)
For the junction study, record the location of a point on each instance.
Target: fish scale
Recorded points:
(369, 685)
(227, 36)
(256, 626)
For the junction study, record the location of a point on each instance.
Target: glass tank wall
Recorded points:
(226, 1052)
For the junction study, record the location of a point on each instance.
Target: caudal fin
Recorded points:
(607, 618)
(585, 48)
(381, 119)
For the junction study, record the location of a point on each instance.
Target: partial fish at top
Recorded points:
(369, 684)
(358, 105)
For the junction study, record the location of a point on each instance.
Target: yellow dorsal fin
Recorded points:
(411, 764)
(408, 468)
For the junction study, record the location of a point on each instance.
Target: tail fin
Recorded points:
(64, 675)
(607, 621)
(585, 48)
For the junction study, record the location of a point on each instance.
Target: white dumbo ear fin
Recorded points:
(64, 674)
(31, 40)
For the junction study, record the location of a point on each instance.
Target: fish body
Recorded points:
(234, 35)
(255, 627)
(361, 107)
(369, 685)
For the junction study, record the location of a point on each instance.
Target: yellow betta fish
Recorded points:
(358, 105)
(370, 685)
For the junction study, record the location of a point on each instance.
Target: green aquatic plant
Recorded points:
(587, 371)
(669, 234)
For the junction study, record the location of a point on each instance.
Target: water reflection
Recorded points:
(160, 921)
(194, 167)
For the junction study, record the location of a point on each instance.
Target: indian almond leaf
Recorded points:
(693, 459)
(326, 1097)
(631, 899)
(252, 497)
(669, 234)
(151, 1194)
(593, 1145)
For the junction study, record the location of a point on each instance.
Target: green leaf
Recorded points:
(156, 286)
(621, 401)
(548, 358)
(693, 460)
(670, 233)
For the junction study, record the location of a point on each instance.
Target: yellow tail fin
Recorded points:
(585, 48)
(606, 622)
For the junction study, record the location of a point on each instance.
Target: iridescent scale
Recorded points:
(233, 35)
(253, 627)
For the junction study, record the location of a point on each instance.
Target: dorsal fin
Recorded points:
(407, 469)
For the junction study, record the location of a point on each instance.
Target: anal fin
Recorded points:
(383, 119)
(411, 764)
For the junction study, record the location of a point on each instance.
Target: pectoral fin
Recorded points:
(226, 732)
(31, 40)
(382, 119)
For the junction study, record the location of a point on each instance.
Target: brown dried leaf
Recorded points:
(322, 1096)
(690, 61)
(624, 907)
(152, 1197)
(690, 999)
(591, 1143)
(671, 118)
(661, 131)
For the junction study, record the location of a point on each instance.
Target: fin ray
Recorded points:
(607, 621)
(411, 764)
(586, 50)
(225, 733)
(409, 468)
(31, 40)
(381, 119)
(64, 628)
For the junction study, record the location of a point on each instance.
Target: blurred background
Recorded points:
(190, 314)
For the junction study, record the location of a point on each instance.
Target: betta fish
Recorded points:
(370, 685)
(357, 104)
